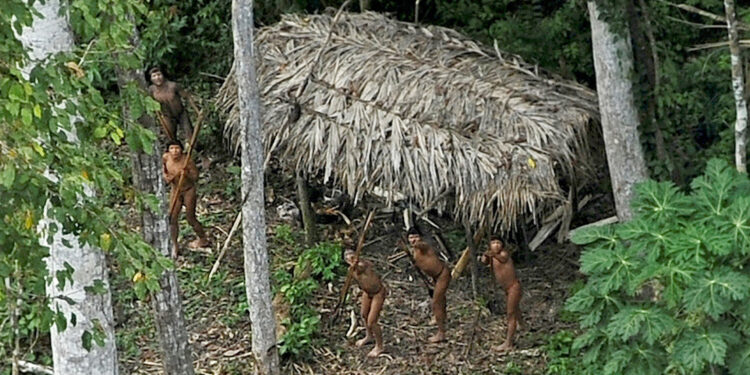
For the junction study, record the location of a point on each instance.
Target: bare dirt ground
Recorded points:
(220, 328)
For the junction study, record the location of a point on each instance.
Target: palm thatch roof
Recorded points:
(418, 110)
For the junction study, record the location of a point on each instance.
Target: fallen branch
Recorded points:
(707, 14)
(33, 367)
(235, 226)
(473, 332)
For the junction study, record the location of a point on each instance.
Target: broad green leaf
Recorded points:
(8, 175)
(660, 202)
(586, 236)
(596, 261)
(712, 190)
(86, 340)
(16, 92)
(100, 132)
(739, 360)
(713, 291)
(694, 349)
(737, 221)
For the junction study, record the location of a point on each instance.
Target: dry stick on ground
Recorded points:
(350, 273)
(473, 331)
(229, 237)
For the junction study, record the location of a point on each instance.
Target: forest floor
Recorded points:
(219, 327)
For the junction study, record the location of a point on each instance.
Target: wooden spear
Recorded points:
(350, 273)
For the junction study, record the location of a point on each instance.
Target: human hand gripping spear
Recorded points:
(402, 245)
(350, 274)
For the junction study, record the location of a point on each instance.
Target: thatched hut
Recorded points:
(418, 110)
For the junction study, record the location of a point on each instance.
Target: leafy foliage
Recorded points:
(667, 292)
(323, 262)
(59, 126)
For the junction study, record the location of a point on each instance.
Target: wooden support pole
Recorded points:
(308, 216)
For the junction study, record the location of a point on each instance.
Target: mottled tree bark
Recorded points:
(738, 86)
(308, 216)
(167, 302)
(613, 61)
(257, 275)
(50, 34)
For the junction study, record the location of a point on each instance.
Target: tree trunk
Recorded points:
(308, 216)
(472, 246)
(257, 275)
(50, 34)
(613, 61)
(738, 86)
(147, 178)
(364, 5)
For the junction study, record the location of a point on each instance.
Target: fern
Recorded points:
(669, 291)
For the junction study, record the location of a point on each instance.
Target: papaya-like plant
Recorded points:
(669, 292)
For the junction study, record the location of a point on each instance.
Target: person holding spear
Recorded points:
(181, 174)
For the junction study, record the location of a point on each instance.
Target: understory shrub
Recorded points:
(668, 291)
(322, 261)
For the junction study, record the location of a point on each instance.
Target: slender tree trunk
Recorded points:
(147, 177)
(613, 61)
(257, 275)
(50, 34)
(738, 86)
(364, 5)
(472, 258)
(308, 216)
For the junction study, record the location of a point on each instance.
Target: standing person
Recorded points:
(174, 165)
(428, 262)
(498, 258)
(373, 297)
(169, 94)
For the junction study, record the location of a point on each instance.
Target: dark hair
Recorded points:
(174, 142)
(414, 230)
(495, 238)
(153, 70)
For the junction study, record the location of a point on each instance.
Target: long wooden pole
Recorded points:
(350, 273)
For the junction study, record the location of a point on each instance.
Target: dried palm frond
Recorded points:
(420, 111)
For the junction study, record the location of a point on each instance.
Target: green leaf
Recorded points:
(8, 175)
(712, 190)
(660, 202)
(100, 132)
(739, 361)
(651, 323)
(86, 340)
(16, 92)
(694, 349)
(596, 261)
(713, 291)
(590, 235)
(26, 117)
(737, 220)
(60, 322)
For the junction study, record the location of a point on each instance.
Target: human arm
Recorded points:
(191, 171)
